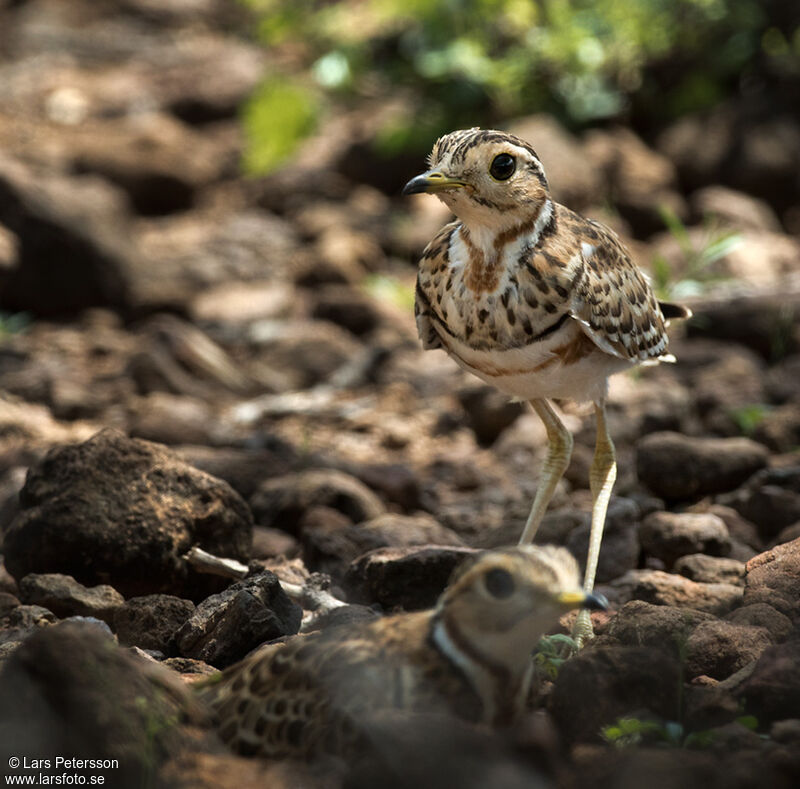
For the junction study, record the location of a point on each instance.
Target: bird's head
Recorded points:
(484, 176)
(501, 603)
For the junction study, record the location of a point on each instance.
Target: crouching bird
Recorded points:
(535, 300)
(469, 657)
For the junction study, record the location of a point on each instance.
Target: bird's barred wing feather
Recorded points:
(615, 304)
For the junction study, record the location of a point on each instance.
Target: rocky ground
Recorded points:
(191, 359)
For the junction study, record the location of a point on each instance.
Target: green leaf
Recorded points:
(278, 116)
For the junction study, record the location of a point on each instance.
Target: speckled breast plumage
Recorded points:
(559, 308)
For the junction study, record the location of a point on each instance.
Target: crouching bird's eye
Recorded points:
(503, 166)
(499, 583)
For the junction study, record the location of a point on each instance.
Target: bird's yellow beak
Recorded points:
(433, 181)
(582, 600)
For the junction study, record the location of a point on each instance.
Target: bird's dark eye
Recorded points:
(503, 166)
(499, 583)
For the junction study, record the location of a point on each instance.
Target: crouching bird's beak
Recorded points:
(431, 182)
(595, 602)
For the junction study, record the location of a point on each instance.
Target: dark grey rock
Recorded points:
(599, 685)
(409, 578)
(64, 596)
(226, 626)
(150, 622)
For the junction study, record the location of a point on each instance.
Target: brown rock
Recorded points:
(717, 649)
(640, 180)
(125, 509)
(620, 549)
(659, 626)
(778, 625)
(773, 577)
(489, 412)
(171, 419)
(735, 209)
(670, 535)
(772, 691)
(411, 578)
(72, 249)
(710, 569)
(347, 307)
(64, 596)
(268, 542)
(330, 544)
(780, 428)
(150, 622)
(674, 466)
(770, 500)
(281, 502)
(602, 684)
(660, 588)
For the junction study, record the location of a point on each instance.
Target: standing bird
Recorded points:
(470, 657)
(534, 299)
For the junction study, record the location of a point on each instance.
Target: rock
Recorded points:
(72, 243)
(725, 385)
(660, 588)
(281, 502)
(659, 626)
(735, 209)
(125, 509)
(190, 667)
(770, 500)
(69, 690)
(7, 602)
(346, 307)
(22, 621)
(331, 543)
(64, 596)
(150, 622)
(620, 549)
(268, 542)
(670, 535)
(489, 412)
(675, 466)
(410, 578)
(779, 429)
(171, 419)
(226, 626)
(243, 469)
(772, 691)
(574, 179)
(773, 577)
(641, 181)
(302, 354)
(710, 569)
(396, 482)
(159, 162)
(717, 648)
(778, 625)
(599, 685)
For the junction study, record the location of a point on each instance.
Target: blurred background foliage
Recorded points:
(477, 62)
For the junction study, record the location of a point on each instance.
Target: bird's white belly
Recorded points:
(536, 371)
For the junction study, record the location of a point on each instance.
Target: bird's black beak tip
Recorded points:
(596, 602)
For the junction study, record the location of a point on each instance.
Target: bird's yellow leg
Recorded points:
(559, 451)
(602, 476)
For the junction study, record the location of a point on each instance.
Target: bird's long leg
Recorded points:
(602, 476)
(559, 451)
